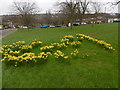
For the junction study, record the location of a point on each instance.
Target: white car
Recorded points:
(51, 26)
(25, 27)
(83, 23)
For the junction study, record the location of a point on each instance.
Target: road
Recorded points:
(6, 32)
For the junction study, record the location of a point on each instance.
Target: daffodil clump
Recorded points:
(26, 57)
(65, 40)
(80, 39)
(105, 45)
(79, 35)
(19, 52)
(19, 43)
(15, 53)
(44, 55)
(60, 55)
(70, 37)
(47, 48)
(36, 43)
(4, 54)
(1, 52)
(26, 48)
(59, 45)
(9, 58)
(7, 46)
(82, 36)
(54, 44)
(76, 43)
(99, 42)
(74, 53)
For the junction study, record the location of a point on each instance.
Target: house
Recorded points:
(97, 18)
(60, 19)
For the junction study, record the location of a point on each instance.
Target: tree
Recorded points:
(113, 4)
(97, 8)
(117, 2)
(48, 17)
(26, 12)
(68, 9)
(82, 7)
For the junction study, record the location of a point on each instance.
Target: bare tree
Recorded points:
(97, 8)
(48, 18)
(113, 4)
(82, 8)
(26, 11)
(68, 9)
(116, 2)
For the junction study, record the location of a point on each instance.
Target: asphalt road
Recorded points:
(6, 32)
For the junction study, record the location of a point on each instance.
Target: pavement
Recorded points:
(5, 32)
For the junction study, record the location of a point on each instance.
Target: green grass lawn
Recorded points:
(94, 71)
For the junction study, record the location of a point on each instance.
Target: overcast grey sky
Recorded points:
(5, 5)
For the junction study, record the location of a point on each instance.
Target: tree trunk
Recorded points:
(28, 27)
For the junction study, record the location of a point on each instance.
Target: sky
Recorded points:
(5, 5)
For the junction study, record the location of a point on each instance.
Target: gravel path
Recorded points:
(4, 33)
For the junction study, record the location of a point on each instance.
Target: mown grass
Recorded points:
(94, 71)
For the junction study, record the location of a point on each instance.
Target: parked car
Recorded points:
(6, 27)
(44, 26)
(58, 26)
(11, 26)
(1, 27)
(76, 24)
(51, 26)
(116, 21)
(24, 27)
(83, 23)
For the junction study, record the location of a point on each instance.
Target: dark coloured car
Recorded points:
(75, 24)
(116, 21)
(6, 27)
(58, 26)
